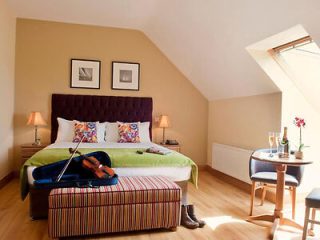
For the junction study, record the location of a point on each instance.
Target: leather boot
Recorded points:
(192, 215)
(186, 221)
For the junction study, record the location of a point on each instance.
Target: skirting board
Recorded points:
(202, 167)
(6, 179)
(270, 196)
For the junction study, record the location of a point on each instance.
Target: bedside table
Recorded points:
(28, 150)
(171, 147)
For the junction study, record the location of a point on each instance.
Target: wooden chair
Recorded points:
(312, 202)
(265, 175)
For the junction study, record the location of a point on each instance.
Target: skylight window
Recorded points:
(301, 61)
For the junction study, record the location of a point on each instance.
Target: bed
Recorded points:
(124, 157)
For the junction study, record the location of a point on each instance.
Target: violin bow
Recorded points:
(69, 161)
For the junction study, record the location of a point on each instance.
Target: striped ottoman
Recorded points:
(135, 203)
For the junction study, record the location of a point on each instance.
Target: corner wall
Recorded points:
(7, 55)
(44, 50)
(243, 122)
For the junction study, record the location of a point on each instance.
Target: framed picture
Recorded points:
(85, 73)
(125, 76)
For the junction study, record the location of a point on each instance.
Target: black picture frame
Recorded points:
(89, 78)
(125, 76)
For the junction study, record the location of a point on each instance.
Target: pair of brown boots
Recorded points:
(189, 219)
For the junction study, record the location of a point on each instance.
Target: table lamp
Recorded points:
(163, 123)
(36, 120)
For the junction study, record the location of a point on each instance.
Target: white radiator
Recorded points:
(232, 161)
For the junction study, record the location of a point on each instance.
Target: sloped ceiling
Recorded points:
(205, 39)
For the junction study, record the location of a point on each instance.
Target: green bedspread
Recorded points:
(119, 158)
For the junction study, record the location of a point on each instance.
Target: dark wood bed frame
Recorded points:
(92, 108)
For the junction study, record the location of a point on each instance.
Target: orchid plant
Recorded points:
(300, 123)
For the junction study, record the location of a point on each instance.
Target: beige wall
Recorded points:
(43, 54)
(7, 52)
(243, 122)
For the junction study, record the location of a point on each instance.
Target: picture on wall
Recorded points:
(85, 73)
(125, 76)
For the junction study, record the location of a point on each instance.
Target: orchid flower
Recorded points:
(299, 122)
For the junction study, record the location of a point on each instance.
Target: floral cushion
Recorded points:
(86, 129)
(129, 132)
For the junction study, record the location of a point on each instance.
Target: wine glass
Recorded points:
(277, 140)
(271, 142)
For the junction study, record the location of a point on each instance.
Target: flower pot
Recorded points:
(298, 155)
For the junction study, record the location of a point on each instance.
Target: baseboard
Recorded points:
(6, 179)
(202, 167)
(270, 196)
(228, 179)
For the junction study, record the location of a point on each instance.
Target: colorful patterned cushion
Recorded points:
(86, 129)
(129, 132)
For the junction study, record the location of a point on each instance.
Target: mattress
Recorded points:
(173, 173)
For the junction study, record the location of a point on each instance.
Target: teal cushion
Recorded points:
(271, 177)
(313, 198)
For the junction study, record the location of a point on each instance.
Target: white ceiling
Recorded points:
(205, 39)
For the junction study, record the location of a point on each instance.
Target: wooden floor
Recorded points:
(223, 206)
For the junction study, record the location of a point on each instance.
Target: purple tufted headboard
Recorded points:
(99, 108)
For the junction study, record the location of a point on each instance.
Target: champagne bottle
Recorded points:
(285, 142)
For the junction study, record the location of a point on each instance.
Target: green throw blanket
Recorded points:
(119, 158)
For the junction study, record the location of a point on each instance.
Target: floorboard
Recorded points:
(223, 206)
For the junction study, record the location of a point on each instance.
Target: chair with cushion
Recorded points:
(265, 173)
(312, 201)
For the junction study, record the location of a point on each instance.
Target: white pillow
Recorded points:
(112, 133)
(144, 132)
(65, 130)
(101, 130)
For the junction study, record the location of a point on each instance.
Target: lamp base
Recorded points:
(36, 139)
(163, 137)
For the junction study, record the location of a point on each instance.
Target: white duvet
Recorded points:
(173, 173)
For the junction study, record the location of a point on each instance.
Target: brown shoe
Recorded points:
(186, 221)
(192, 215)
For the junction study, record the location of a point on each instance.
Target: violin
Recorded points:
(94, 165)
(69, 161)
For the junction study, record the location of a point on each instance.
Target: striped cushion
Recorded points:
(135, 203)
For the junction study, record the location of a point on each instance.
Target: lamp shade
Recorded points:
(36, 119)
(164, 121)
